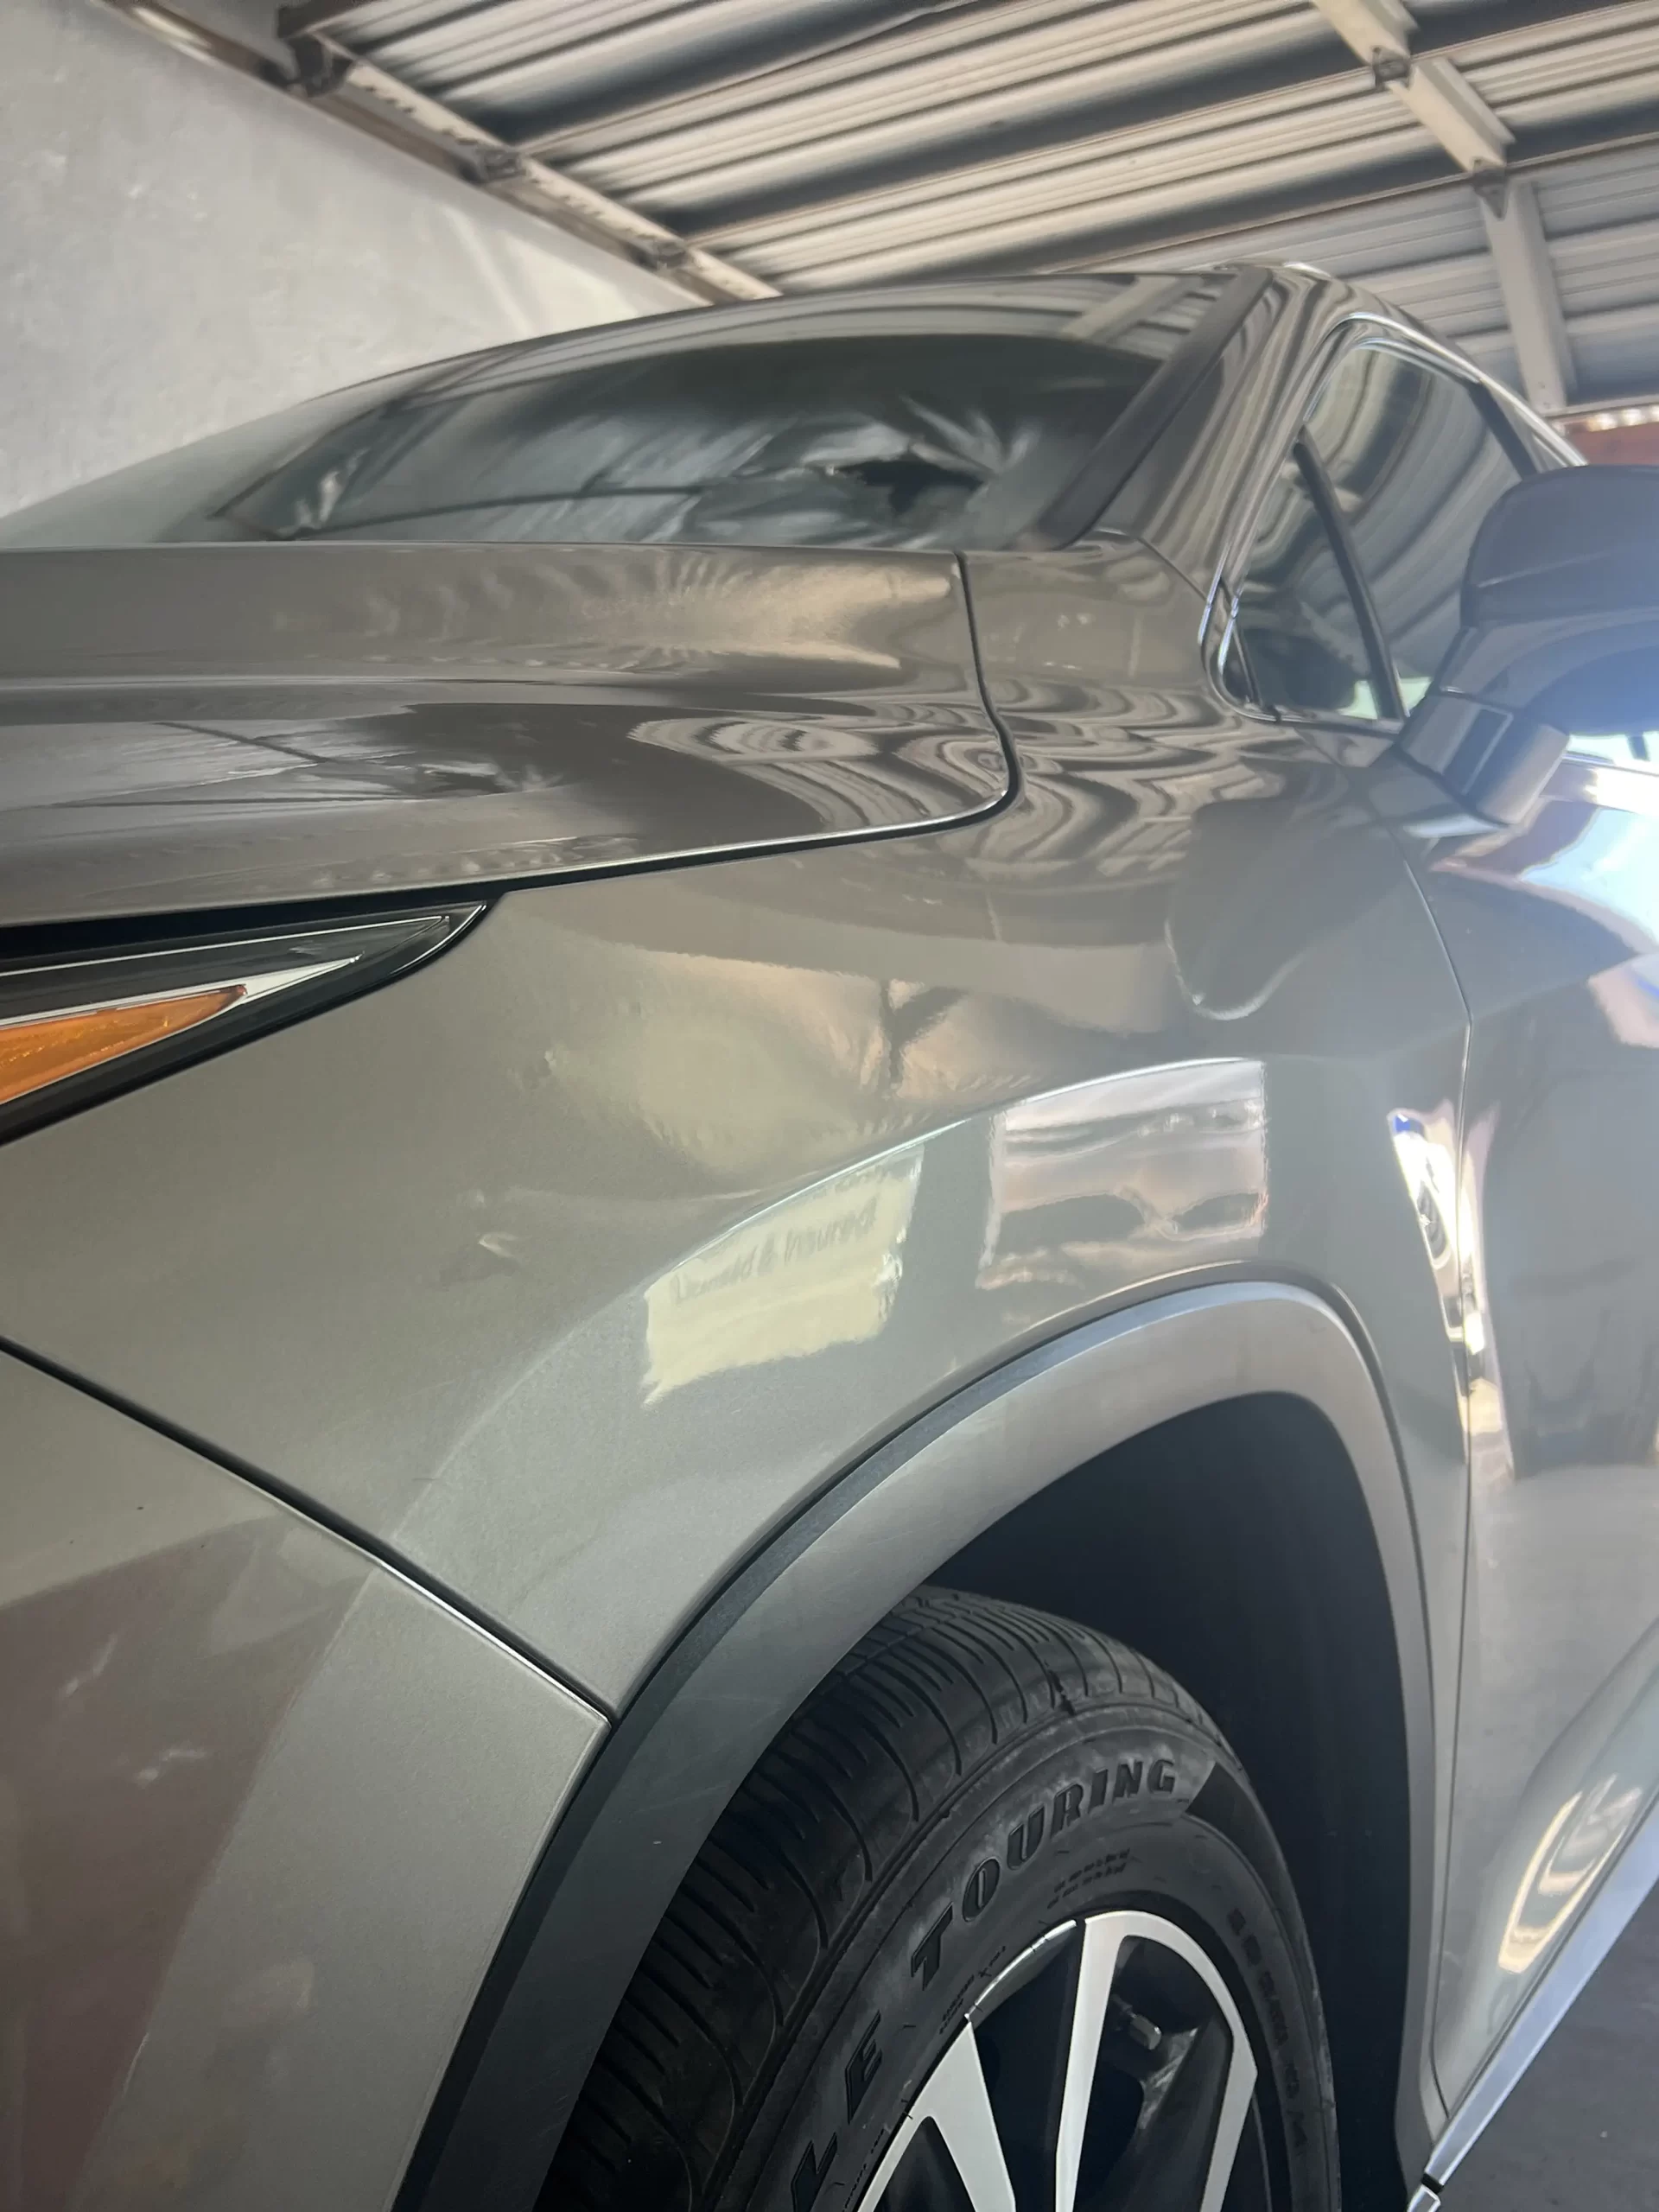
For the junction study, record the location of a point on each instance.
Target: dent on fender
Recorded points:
(781, 1150)
(888, 1279)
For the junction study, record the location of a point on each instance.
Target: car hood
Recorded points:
(205, 727)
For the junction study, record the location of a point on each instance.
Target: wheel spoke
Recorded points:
(1149, 2073)
(1103, 1939)
(959, 2105)
(955, 2102)
(1228, 2099)
(1234, 2111)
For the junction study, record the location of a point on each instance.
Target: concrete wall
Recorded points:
(182, 249)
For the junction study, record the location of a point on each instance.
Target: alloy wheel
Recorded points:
(1106, 2069)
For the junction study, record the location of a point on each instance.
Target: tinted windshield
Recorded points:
(954, 426)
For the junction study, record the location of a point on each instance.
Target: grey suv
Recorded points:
(830, 1273)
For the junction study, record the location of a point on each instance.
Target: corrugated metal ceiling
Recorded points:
(800, 145)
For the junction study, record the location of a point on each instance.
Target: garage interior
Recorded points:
(261, 201)
(1491, 166)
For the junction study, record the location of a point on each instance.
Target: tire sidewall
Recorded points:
(1130, 1810)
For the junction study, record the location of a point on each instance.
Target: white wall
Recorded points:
(182, 249)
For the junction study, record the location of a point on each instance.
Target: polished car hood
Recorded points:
(197, 727)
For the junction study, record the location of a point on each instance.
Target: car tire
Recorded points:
(999, 1873)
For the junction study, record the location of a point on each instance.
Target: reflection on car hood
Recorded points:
(197, 727)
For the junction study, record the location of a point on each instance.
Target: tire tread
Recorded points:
(929, 1696)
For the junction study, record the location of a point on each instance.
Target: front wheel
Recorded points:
(996, 1925)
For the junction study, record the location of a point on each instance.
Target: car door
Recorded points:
(1553, 930)
(1552, 926)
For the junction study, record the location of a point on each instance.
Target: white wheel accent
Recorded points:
(1108, 1932)
(955, 2098)
(1103, 1939)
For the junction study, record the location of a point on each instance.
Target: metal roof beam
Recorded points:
(664, 101)
(1211, 83)
(359, 93)
(1434, 88)
(676, 69)
(619, 61)
(327, 76)
(1516, 235)
(1536, 151)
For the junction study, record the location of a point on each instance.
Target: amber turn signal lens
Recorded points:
(45, 1049)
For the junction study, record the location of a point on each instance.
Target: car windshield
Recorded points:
(947, 423)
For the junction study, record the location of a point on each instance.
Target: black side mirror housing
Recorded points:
(1560, 635)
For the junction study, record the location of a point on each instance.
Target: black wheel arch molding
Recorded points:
(734, 1678)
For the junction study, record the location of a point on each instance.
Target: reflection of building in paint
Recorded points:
(1580, 1806)
(1577, 1844)
(1160, 1167)
(1628, 996)
(820, 1269)
(1425, 1147)
(1446, 1203)
(1491, 1461)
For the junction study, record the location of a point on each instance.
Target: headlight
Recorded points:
(74, 1027)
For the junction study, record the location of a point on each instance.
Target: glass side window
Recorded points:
(1414, 465)
(1296, 623)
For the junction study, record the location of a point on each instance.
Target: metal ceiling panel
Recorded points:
(1039, 207)
(1563, 74)
(804, 144)
(1605, 191)
(1032, 42)
(944, 95)
(507, 62)
(1428, 255)
(1613, 352)
(1602, 271)
(1601, 218)
(1420, 230)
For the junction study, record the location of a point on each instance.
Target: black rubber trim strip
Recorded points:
(1329, 510)
(1508, 432)
(1084, 502)
(684, 1744)
(1015, 787)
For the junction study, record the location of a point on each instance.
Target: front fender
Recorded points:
(734, 1677)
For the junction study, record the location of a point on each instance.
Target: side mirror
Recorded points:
(1560, 635)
